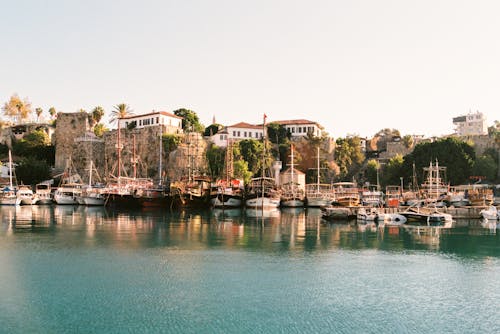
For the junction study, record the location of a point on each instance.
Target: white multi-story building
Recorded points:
(237, 132)
(301, 127)
(171, 122)
(471, 124)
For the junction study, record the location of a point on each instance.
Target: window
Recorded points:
(245, 134)
(293, 130)
(221, 137)
(300, 129)
(157, 120)
(239, 134)
(234, 133)
(304, 129)
(140, 122)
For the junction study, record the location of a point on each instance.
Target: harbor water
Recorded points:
(70, 269)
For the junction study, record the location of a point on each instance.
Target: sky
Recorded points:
(355, 66)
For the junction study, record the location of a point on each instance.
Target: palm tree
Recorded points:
(16, 108)
(38, 112)
(97, 114)
(52, 112)
(121, 110)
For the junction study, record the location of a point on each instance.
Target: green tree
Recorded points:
(348, 156)
(96, 115)
(100, 129)
(393, 170)
(215, 158)
(190, 120)
(251, 151)
(36, 138)
(408, 141)
(241, 171)
(277, 133)
(458, 156)
(19, 110)
(170, 142)
(372, 168)
(486, 167)
(120, 111)
(212, 129)
(52, 112)
(32, 171)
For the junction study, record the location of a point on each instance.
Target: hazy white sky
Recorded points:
(355, 66)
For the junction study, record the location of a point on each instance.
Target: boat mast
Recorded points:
(263, 158)
(318, 176)
(118, 148)
(10, 169)
(134, 159)
(160, 167)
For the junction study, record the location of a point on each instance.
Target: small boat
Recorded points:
(335, 213)
(367, 215)
(66, 194)
(43, 194)
(8, 196)
(490, 214)
(391, 219)
(227, 194)
(427, 216)
(25, 195)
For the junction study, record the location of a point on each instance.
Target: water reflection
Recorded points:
(282, 230)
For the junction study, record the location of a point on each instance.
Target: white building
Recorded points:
(171, 122)
(237, 132)
(301, 127)
(471, 124)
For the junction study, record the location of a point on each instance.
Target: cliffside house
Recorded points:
(237, 132)
(301, 127)
(171, 122)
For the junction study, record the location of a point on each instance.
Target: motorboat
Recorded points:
(490, 214)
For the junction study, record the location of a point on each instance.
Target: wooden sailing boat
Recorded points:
(8, 194)
(122, 190)
(193, 190)
(91, 195)
(228, 192)
(292, 194)
(318, 194)
(156, 195)
(263, 191)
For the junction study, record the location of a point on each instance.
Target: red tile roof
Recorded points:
(295, 121)
(245, 126)
(164, 113)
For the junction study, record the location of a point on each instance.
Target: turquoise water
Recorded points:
(90, 270)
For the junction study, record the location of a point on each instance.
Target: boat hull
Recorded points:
(226, 201)
(263, 203)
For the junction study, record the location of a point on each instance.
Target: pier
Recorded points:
(466, 212)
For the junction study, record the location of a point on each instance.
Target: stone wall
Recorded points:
(146, 151)
(68, 127)
(190, 155)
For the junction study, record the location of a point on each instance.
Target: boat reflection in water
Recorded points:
(286, 229)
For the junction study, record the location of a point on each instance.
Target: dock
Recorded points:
(466, 212)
